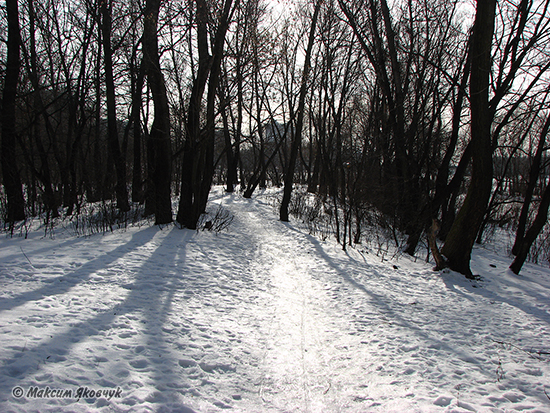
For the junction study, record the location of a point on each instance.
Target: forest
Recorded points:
(428, 117)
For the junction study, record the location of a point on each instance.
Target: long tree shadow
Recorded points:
(26, 242)
(494, 296)
(63, 283)
(382, 303)
(150, 294)
(429, 334)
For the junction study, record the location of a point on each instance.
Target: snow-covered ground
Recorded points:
(262, 318)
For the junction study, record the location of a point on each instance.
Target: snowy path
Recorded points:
(264, 318)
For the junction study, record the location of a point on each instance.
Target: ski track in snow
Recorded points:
(265, 318)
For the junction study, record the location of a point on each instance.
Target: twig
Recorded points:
(27, 257)
(530, 353)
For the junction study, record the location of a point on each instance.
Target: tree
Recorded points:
(42, 169)
(526, 238)
(415, 54)
(534, 173)
(198, 166)
(112, 132)
(532, 233)
(297, 138)
(520, 35)
(243, 44)
(159, 145)
(137, 89)
(460, 240)
(10, 171)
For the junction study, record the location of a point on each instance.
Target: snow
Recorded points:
(263, 318)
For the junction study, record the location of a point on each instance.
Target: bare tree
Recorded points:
(533, 232)
(461, 237)
(197, 169)
(159, 145)
(525, 237)
(297, 138)
(10, 171)
(416, 78)
(42, 169)
(114, 145)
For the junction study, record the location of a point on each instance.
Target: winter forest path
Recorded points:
(348, 332)
(264, 318)
(304, 326)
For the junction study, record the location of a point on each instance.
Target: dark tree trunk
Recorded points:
(297, 138)
(10, 171)
(230, 153)
(186, 215)
(533, 232)
(443, 188)
(533, 177)
(137, 179)
(261, 168)
(213, 82)
(44, 174)
(231, 177)
(159, 137)
(100, 191)
(112, 132)
(432, 242)
(233, 154)
(313, 183)
(460, 240)
(198, 166)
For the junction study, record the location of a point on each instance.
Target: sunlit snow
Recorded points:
(263, 317)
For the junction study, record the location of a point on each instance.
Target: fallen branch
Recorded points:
(531, 353)
(440, 262)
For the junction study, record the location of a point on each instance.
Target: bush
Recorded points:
(215, 221)
(103, 217)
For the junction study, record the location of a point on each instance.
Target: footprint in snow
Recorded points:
(443, 401)
(139, 364)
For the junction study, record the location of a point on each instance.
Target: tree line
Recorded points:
(433, 112)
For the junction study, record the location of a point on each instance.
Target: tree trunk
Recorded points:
(231, 177)
(112, 134)
(443, 188)
(213, 82)
(197, 169)
(289, 175)
(137, 179)
(533, 177)
(460, 240)
(10, 173)
(533, 232)
(261, 168)
(186, 215)
(432, 242)
(159, 137)
(44, 174)
(233, 155)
